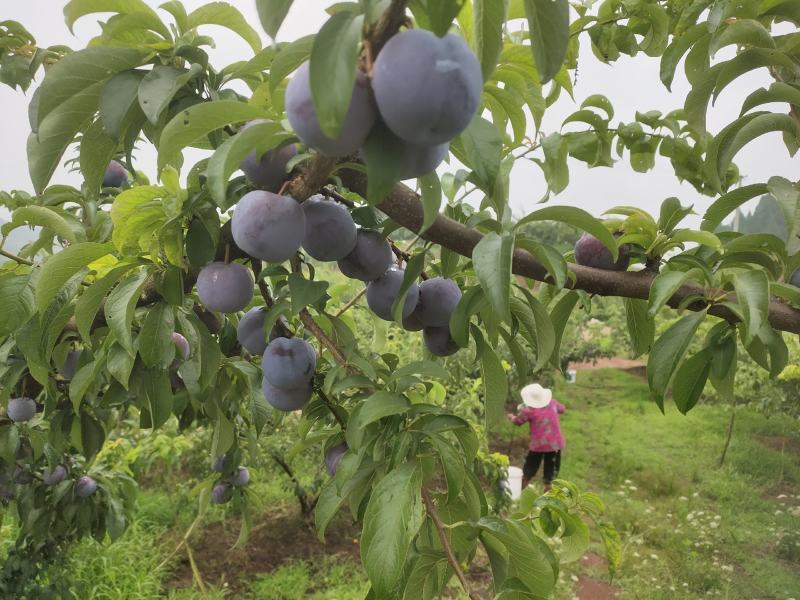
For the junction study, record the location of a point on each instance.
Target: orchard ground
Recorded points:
(689, 528)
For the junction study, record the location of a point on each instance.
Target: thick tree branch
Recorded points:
(403, 205)
(441, 530)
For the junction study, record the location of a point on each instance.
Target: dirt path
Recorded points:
(615, 362)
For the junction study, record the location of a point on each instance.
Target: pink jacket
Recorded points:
(545, 427)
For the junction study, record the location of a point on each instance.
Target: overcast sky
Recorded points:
(631, 84)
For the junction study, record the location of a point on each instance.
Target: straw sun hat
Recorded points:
(536, 396)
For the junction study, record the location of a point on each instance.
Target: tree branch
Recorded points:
(15, 258)
(390, 22)
(440, 529)
(403, 205)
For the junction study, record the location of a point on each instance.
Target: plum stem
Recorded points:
(255, 265)
(441, 530)
(227, 254)
(351, 302)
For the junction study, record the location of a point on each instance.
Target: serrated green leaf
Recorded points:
(379, 405)
(727, 203)
(155, 341)
(97, 150)
(641, 327)
(47, 218)
(17, 296)
(495, 382)
(480, 148)
(90, 300)
(431, 189)
(489, 19)
(393, 517)
(60, 267)
(752, 293)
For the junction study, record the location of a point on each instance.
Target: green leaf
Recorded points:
(288, 58)
(379, 405)
(641, 326)
(704, 238)
(740, 32)
(452, 465)
(675, 51)
(738, 134)
(60, 267)
(412, 272)
(668, 351)
(382, 152)
(472, 302)
(80, 384)
(225, 15)
(544, 336)
(748, 60)
(80, 71)
(178, 12)
(691, 379)
(489, 19)
(155, 337)
(158, 392)
(492, 260)
(334, 61)
(120, 364)
(727, 203)
(92, 435)
(119, 101)
(120, 305)
(198, 121)
(788, 196)
(47, 218)
(431, 189)
(559, 317)
(480, 147)
(393, 517)
(777, 92)
(75, 9)
(304, 291)
(664, 287)
(548, 22)
(17, 299)
(495, 382)
(89, 301)
(137, 213)
(442, 13)
(752, 293)
(159, 87)
(260, 137)
(577, 217)
(271, 13)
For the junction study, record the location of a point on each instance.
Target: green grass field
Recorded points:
(689, 528)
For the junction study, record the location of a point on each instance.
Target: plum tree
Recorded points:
(115, 175)
(241, 477)
(221, 493)
(226, 287)
(182, 344)
(427, 88)
(370, 258)
(70, 364)
(382, 292)
(358, 122)
(21, 410)
(85, 486)
(286, 399)
(54, 476)
(590, 252)
(330, 232)
(438, 298)
(250, 331)
(268, 226)
(268, 171)
(289, 362)
(333, 456)
(439, 341)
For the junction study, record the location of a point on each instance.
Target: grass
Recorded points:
(690, 529)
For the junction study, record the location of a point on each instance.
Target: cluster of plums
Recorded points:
(222, 492)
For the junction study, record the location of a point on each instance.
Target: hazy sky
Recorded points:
(631, 84)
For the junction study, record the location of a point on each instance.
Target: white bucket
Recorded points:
(515, 482)
(572, 375)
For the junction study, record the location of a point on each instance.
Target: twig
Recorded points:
(324, 397)
(315, 330)
(351, 303)
(195, 570)
(280, 323)
(185, 537)
(440, 529)
(14, 257)
(390, 22)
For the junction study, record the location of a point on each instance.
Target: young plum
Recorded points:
(590, 252)
(70, 364)
(241, 478)
(438, 341)
(438, 298)
(221, 493)
(382, 292)
(333, 456)
(182, 344)
(268, 226)
(115, 175)
(54, 477)
(21, 410)
(250, 331)
(289, 362)
(286, 400)
(267, 171)
(85, 487)
(225, 287)
(370, 258)
(330, 233)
